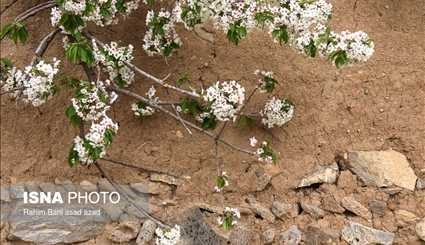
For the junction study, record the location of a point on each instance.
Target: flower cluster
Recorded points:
(140, 109)
(277, 112)
(34, 84)
(265, 153)
(221, 182)
(92, 101)
(300, 23)
(228, 220)
(101, 12)
(225, 99)
(92, 147)
(161, 37)
(267, 81)
(113, 59)
(167, 236)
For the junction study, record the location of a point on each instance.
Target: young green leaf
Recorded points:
(79, 52)
(72, 115)
(16, 31)
(73, 158)
(281, 34)
(236, 32)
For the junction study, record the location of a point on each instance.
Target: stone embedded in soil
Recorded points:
(404, 217)
(203, 34)
(358, 234)
(124, 232)
(268, 236)
(147, 232)
(313, 210)
(292, 236)
(4, 194)
(105, 185)
(88, 186)
(330, 204)
(347, 181)
(324, 174)
(382, 168)
(287, 210)
(261, 210)
(194, 229)
(315, 235)
(149, 187)
(352, 205)
(377, 207)
(420, 229)
(168, 179)
(241, 235)
(16, 191)
(420, 184)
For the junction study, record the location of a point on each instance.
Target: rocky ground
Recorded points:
(314, 194)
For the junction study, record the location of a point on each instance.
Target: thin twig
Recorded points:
(127, 198)
(181, 120)
(139, 97)
(34, 10)
(147, 75)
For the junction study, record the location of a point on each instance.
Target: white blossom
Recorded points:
(253, 141)
(277, 112)
(167, 236)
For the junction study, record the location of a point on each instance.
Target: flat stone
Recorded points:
(404, 217)
(88, 186)
(314, 235)
(124, 232)
(203, 34)
(382, 168)
(243, 236)
(268, 236)
(420, 229)
(392, 190)
(261, 210)
(378, 207)
(352, 205)
(420, 184)
(358, 234)
(347, 180)
(54, 229)
(292, 236)
(4, 194)
(313, 210)
(281, 209)
(324, 174)
(147, 232)
(330, 204)
(148, 187)
(168, 179)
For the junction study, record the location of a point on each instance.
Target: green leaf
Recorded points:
(80, 52)
(109, 134)
(227, 222)
(73, 158)
(5, 66)
(16, 31)
(71, 22)
(236, 32)
(311, 49)
(209, 122)
(190, 106)
(263, 17)
(339, 58)
(72, 115)
(220, 181)
(281, 34)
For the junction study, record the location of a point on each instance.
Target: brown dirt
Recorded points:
(373, 106)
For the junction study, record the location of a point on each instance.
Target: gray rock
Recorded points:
(53, 229)
(4, 194)
(292, 236)
(194, 230)
(358, 234)
(313, 210)
(114, 211)
(17, 191)
(148, 187)
(261, 210)
(352, 205)
(124, 232)
(330, 204)
(378, 207)
(268, 236)
(32, 187)
(243, 236)
(168, 179)
(314, 235)
(281, 209)
(324, 174)
(88, 186)
(382, 168)
(420, 184)
(420, 229)
(147, 232)
(392, 190)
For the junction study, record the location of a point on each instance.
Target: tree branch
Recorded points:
(34, 10)
(44, 44)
